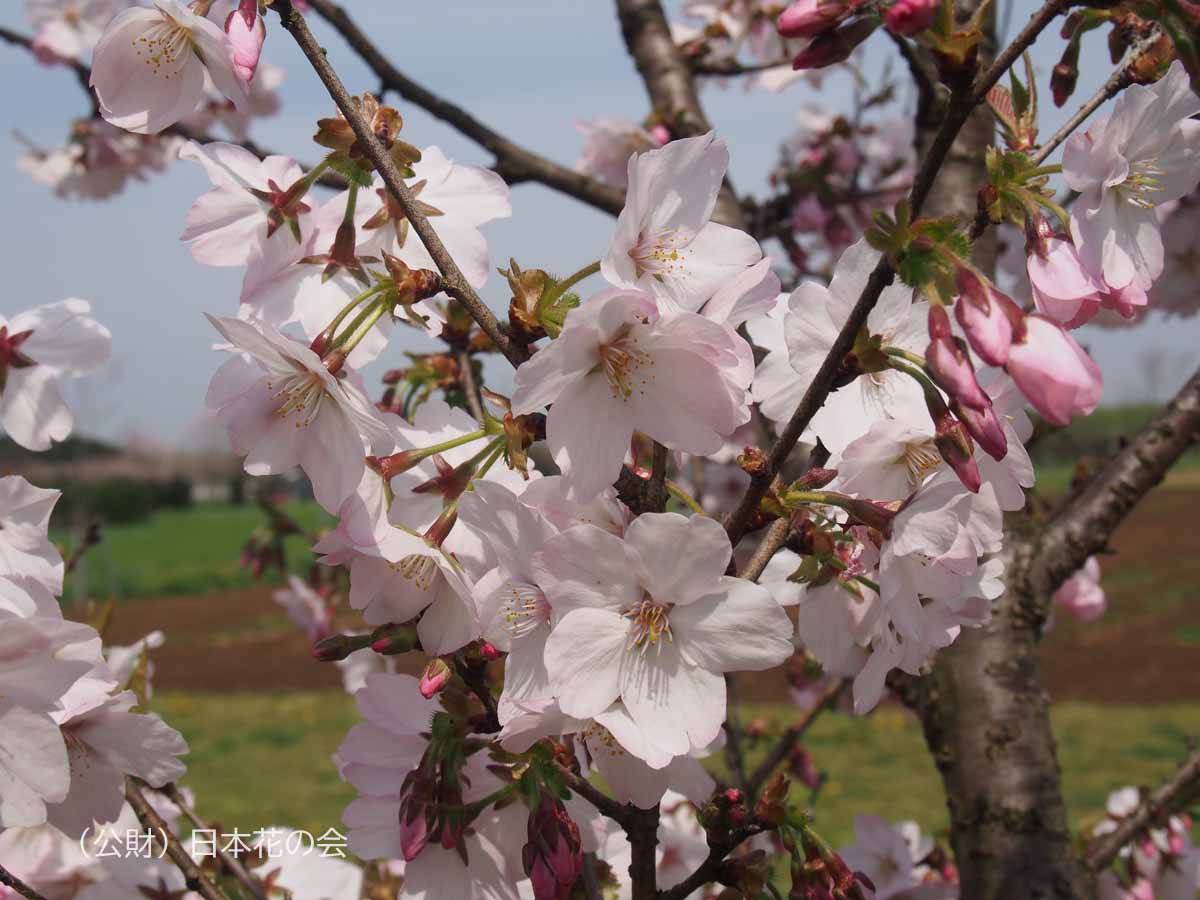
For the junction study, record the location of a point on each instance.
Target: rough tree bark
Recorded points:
(984, 711)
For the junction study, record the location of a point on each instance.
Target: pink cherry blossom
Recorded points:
(306, 608)
(67, 29)
(815, 315)
(38, 348)
(40, 660)
(665, 243)
(679, 378)
(660, 630)
(884, 854)
(1081, 595)
(149, 67)
(281, 407)
(1054, 373)
(248, 218)
(26, 552)
(1145, 153)
(97, 162)
(106, 742)
(458, 198)
(608, 145)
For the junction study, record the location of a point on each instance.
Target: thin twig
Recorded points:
(957, 112)
(734, 756)
(788, 739)
(231, 863)
(618, 812)
(475, 678)
(454, 282)
(8, 879)
(656, 489)
(1116, 83)
(771, 543)
(1182, 789)
(470, 385)
(708, 870)
(731, 67)
(514, 163)
(196, 880)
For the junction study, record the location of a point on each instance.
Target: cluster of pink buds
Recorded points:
(819, 873)
(553, 854)
(834, 36)
(1053, 372)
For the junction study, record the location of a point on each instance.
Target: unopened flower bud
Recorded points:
(553, 855)
(988, 316)
(833, 46)
(753, 462)
(985, 427)
(391, 640)
(954, 444)
(246, 32)
(772, 803)
(339, 646)
(660, 133)
(434, 678)
(488, 651)
(808, 18)
(907, 17)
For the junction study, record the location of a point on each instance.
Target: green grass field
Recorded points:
(259, 760)
(185, 551)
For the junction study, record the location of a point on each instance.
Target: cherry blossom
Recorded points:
(39, 660)
(281, 407)
(250, 217)
(886, 854)
(665, 243)
(1081, 595)
(38, 348)
(1144, 153)
(67, 29)
(678, 378)
(814, 317)
(608, 145)
(306, 608)
(662, 631)
(459, 199)
(150, 66)
(97, 162)
(306, 874)
(106, 742)
(26, 553)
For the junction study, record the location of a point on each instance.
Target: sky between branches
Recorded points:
(528, 68)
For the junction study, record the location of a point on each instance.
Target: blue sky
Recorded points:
(528, 68)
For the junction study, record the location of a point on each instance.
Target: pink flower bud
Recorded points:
(434, 678)
(909, 16)
(808, 18)
(987, 316)
(553, 855)
(833, 46)
(247, 32)
(949, 363)
(1082, 596)
(1054, 373)
(985, 427)
(661, 134)
(488, 651)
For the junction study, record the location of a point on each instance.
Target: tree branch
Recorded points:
(1117, 82)
(1179, 792)
(231, 863)
(453, 280)
(957, 112)
(671, 86)
(643, 841)
(196, 880)
(8, 879)
(656, 489)
(789, 738)
(710, 870)
(1084, 527)
(514, 163)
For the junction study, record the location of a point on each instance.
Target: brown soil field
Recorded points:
(1145, 649)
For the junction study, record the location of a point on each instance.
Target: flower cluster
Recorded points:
(1160, 863)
